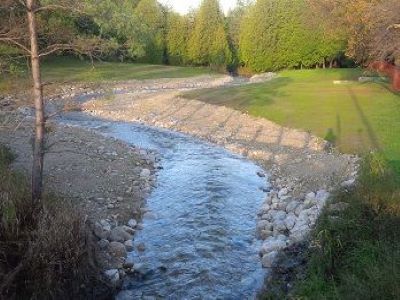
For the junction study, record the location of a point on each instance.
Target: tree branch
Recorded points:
(14, 42)
(56, 47)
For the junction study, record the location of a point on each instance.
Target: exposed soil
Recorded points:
(100, 173)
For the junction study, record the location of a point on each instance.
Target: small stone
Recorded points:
(279, 226)
(278, 214)
(100, 232)
(299, 209)
(264, 234)
(132, 223)
(140, 247)
(118, 234)
(290, 221)
(128, 229)
(269, 259)
(310, 195)
(145, 173)
(103, 244)
(128, 263)
(260, 174)
(291, 206)
(282, 192)
(348, 183)
(272, 244)
(117, 249)
(112, 275)
(106, 225)
(263, 225)
(129, 245)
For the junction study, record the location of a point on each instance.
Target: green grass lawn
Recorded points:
(358, 116)
(69, 69)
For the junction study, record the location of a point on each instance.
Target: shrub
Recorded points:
(45, 252)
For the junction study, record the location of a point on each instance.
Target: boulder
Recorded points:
(291, 206)
(129, 246)
(117, 249)
(269, 259)
(112, 275)
(272, 244)
(118, 234)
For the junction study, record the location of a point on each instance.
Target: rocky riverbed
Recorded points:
(302, 168)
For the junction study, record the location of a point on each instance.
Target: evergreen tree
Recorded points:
(234, 21)
(275, 35)
(177, 38)
(208, 44)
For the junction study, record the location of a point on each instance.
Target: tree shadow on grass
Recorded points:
(242, 97)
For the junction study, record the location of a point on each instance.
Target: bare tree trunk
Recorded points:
(38, 146)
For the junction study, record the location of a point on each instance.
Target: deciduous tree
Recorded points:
(22, 26)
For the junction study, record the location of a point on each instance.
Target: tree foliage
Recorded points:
(177, 38)
(208, 44)
(275, 34)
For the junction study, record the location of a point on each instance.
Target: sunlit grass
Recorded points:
(359, 116)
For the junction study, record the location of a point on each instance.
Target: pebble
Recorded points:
(129, 246)
(269, 259)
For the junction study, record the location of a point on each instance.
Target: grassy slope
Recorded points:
(61, 69)
(362, 116)
(356, 252)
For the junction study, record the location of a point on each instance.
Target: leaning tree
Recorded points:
(29, 25)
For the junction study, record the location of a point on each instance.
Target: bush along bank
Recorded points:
(54, 251)
(46, 251)
(354, 251)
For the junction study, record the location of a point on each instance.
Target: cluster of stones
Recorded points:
(283, 220)
(262, 77)
(114, 242)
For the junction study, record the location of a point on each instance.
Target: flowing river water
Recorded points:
(199, 234)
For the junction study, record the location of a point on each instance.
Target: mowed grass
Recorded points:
(70, 69)
(358, 117)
